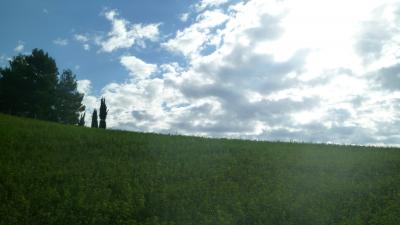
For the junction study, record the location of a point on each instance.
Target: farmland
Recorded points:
(58, 174)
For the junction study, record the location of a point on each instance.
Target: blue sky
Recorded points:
(37, 24)
(312, 70)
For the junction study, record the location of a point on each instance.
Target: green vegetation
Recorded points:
(32, 87)
(95, 124)
(58, 174)
(103, 113)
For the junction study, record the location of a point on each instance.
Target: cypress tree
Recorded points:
(82, 120)
(94, 119)
(103, 113)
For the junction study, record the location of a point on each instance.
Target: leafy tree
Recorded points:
(103, 113)
(82, 120)
(69, 100)
(28, 86)
(95, 124)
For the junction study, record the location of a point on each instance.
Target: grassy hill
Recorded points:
(56, 174)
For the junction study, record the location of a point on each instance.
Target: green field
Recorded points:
(57, 174)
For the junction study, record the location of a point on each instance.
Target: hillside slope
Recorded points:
(56, 174)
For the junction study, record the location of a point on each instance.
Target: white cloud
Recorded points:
(192, 39)
(209, 3)
(90, 101)
(147, 104)
(84, 86)
(272, 70)
(84, 40)
(60, 42)
(81, 38)
(124, 34)
(86, 47)
(19, 47)
(184, 17)
(138, 68)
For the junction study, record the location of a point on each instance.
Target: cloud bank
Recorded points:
(274, 70)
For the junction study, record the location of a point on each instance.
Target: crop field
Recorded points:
(58, 174)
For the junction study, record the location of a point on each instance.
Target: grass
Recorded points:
(57, 174)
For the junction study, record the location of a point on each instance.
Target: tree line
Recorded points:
(31, 86)
(102, 115)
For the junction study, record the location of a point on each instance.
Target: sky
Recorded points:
(312, 70)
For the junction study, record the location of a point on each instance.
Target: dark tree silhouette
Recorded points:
(82, 120)
(95, 124)
(69, 100)
(30, 87)
(103, 113)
